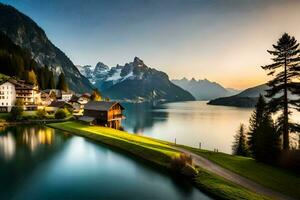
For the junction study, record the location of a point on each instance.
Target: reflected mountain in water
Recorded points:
(142, 116)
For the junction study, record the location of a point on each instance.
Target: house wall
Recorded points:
(66, 97)
(7, 96)
(102, 115)
(114, 112)
(29, 96)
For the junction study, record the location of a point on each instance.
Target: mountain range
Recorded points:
(204, 89)
(246, 98)
(25, 33)
(134, 82)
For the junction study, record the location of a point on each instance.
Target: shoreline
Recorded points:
(155, 153)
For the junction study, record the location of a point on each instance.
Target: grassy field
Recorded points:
(154, 150)
(159, 152)
(218, 186)
(277, 179)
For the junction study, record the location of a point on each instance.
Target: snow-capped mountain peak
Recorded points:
(136, 82)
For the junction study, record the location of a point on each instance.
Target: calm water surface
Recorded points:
(189, 122)
(43, 163)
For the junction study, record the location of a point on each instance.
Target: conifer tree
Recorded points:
(286, 69)
(254, 124)
(239, 146)
(61, 84)
(267, 144)
(96, 96)
(51, 82)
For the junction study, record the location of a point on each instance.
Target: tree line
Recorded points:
(268, 137)
(16, 62)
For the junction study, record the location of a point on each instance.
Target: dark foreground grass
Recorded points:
(272, 177)
(158, 152)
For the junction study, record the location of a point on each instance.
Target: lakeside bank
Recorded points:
(160, 153)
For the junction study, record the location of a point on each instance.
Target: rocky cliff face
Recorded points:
(24, 32)
(136, 82)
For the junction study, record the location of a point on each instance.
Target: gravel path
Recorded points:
(233, 177)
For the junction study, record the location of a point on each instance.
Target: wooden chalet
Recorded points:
(103, 113)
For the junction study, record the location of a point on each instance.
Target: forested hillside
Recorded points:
(16, 62)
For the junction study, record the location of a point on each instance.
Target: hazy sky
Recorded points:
(221, 40)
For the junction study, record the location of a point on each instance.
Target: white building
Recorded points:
(66, 96)
(30, 95)
(7, 96)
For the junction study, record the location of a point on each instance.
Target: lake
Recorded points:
(190, 123)
(43, 163)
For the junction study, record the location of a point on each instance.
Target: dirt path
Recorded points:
(229, 175)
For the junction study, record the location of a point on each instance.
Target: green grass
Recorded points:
(150, 149)
(272, 177)
(218, 186)
(29, 113)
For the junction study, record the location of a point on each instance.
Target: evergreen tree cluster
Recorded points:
(262, 141)
(263, 137)
(16, 62)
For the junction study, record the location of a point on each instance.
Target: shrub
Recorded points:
(61, 113)
(41, 113)
(183, 165)
(16, 112)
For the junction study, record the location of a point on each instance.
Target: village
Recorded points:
(83, 107)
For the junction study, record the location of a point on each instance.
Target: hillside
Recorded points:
(25, 33)
(247, 98)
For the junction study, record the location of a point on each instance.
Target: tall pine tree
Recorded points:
(286, 69)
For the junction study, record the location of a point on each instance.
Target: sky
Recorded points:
(221, 40)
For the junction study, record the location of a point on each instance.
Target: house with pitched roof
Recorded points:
(103, 113)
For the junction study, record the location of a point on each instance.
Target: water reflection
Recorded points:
(33, 137)
(141, 116)
(7, 146)
(191, 123)
(50, 164)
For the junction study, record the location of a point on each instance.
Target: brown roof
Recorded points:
(100, 105)
(74, 98)
(58, 104)
(86, 95)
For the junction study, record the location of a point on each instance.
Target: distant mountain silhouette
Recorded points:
(247, 98)
(203, 89)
